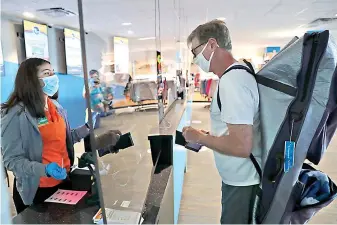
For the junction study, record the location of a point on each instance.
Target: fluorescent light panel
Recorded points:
(28, 15)
(146, 38)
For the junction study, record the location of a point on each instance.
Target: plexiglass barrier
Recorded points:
(123, 99)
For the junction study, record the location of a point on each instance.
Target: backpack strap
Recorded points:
(251, 71)
(236, 67)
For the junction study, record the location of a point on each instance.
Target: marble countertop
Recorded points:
(53, 213)
(156, 193)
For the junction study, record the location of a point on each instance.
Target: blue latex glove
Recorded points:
(55, 171)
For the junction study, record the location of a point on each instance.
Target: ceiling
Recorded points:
(253, 24)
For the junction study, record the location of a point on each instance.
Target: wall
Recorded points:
(95, 47)
(10, 55)
(20, 42)
(56, 48)
(70, 93)
(71, 98)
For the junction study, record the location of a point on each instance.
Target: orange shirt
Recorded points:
(53, 133)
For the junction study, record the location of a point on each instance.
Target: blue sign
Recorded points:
(272, 49)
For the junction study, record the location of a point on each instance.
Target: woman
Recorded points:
(36, 140)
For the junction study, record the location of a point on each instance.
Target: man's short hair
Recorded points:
(216, 29)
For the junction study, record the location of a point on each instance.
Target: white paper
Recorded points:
(122, 217)
(125, 204)
(196, 121)
(118, 217)
(74, 167)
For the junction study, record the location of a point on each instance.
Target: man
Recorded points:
(235, 132)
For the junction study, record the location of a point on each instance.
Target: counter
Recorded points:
(53, 213)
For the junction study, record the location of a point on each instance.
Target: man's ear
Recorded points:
(214, 44)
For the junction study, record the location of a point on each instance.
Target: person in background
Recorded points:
(107, 96)
(94, 74)
(98, 103)
(197, 80)
(128, 87)
(36, 139)
(235, 128)
(5, 205)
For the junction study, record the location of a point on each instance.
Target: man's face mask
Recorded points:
(202, 62)
(51, 85)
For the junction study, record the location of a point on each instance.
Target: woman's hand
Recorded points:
(55, 171)
(107, 139)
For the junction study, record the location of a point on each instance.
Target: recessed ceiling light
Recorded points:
(221, 18)
(130, 32)
(28, 15)
(146, 38)
(126, 24)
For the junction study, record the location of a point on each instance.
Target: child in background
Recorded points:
(93, 75)
(106, 91)
(98, 103)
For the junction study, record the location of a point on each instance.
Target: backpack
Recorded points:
(298, 115)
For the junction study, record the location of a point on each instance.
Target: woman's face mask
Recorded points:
(51, 85)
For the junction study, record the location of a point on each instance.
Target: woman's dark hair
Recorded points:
(27, 88)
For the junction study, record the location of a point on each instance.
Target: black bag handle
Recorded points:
(251, 71)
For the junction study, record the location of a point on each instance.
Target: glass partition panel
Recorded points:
(122, 79)
(171, 35)
(31, 31)
(168, 36)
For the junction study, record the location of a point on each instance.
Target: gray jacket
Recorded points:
(21, 148)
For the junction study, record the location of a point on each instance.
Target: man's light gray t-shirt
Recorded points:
(240, 105)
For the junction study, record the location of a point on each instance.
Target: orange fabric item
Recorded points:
(53, 135)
